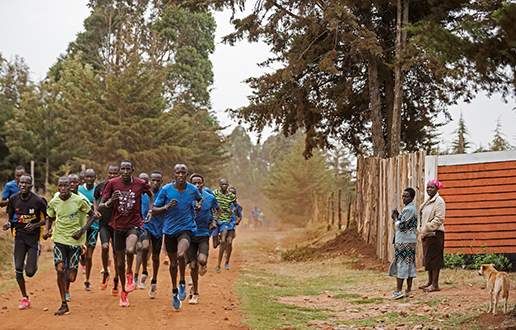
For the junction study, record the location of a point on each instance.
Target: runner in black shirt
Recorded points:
(31, 211)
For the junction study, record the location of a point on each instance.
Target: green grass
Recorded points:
(346, 295)
(368, 301)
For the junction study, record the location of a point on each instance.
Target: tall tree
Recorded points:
(14, 81)
(499, 142)
(460, 144)
(336, 78)
(292, 182)
(35, 131)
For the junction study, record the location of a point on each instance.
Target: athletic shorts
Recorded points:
(155, 242)
(67, 254)
(106, 234)
(121, 236)
(171, 241)
(221, 226)
(91, 239)
(26, 245)
(198, 245)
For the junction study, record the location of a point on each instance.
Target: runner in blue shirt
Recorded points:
(142, 246)
(200, 245)
(256, 217)
(154, 233)
(88, 190)
(175, 200)
(236, 217)
(11, 188)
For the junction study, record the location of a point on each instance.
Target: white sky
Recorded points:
(39, 31)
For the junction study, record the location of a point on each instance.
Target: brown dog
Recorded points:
(497, 282)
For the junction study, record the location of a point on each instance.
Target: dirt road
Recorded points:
(217, 309)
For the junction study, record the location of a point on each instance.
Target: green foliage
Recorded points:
(483, 257)
(346, 295)
(454, 260)
(499, 143)
(460, 145)
(293, 181)
(14, 81)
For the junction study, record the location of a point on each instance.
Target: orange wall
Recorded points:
(480, 206)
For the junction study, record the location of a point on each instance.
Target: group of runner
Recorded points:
(135, 215)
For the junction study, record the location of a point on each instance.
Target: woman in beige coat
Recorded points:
(431, 229)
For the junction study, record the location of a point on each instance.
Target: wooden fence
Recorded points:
(333, 209)
(379, 185)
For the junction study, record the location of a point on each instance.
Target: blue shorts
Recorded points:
(221, 226)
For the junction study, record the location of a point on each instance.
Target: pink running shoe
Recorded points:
(25, 303)
(124, 302)
(129, 282)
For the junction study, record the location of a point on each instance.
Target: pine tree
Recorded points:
(460, 144)
(499, 143)
(14, 81)
(292, 182)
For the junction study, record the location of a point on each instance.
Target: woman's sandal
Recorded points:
(423, 287)
(431, 289)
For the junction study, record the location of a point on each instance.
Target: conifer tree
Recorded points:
(499, 143)
(460, 144)
(292, 182)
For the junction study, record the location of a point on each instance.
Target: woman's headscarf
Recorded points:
(437, 183)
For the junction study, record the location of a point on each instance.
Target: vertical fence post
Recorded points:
(339, 210)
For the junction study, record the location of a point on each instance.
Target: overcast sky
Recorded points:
(39, 31)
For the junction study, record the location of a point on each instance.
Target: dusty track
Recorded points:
(217, 309)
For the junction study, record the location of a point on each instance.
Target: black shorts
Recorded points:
(67, 254)
(231, 233)
(106, 234)
(26, 245)
(91, 238)
(121, 236)
(145, 235)
(198, 245)
(171, 241)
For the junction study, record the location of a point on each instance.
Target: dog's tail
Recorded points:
(505, 287)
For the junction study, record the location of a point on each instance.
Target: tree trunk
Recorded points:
(375, 103)
(401, 41)
(47, 165)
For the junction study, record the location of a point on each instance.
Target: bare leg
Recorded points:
(105, 256)
(89, 261)
(399, 284)
(229, 248)
(120, 264)
(138, 258)
(194, 273)
(155, 267)
(145, 256)
(61, 281)
(173, 269)
(409, 284)
(130, 246)
(182, 248)
(222, 248)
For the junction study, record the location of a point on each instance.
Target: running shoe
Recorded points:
(166, 261)
(114, 289)
(409, 294)
(217, 270)
(67, 296)
(143, 282)
(194, 300)
(87, 286)
(129, 282)
(105, 279)
(62, 310)
(203, 270)
(124, 302)
(153, 292)
(25, 303)
(182, 291)
(176, 303)
(190, 282)
(396, 295)
(83, 269)
(227, 267)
